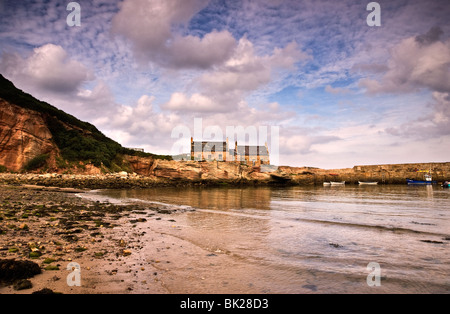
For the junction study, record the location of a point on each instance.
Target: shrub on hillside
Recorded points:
(36, 163)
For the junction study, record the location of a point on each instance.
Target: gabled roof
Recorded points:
(209, 146)
(252, 151)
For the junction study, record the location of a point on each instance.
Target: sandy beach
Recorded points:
(121, 248)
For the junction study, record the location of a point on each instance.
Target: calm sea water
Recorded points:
(321, 239)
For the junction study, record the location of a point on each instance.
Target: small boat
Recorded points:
(419, 182)
(446, 184)
(326, 183)
(428, 180)
(368, 182)
(337, 183)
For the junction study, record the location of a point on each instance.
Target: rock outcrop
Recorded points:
(193, 171)
(23, 136)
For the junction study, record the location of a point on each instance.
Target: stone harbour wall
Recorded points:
(398, 173)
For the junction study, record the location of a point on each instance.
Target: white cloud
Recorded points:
(222, 89)
(246, 71)
(336, 90)
(150, 27)
(434, 124)
(139, 125)
(48, 68)
(303, 144)
(415, 63)
(51, 75)
(148, 23)
(418, 64)
(196, 103)
(194, 52)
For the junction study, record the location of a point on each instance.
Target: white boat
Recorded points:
(368, 182)
(326, 184)
(337, 183)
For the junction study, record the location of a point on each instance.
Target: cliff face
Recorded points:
(194, 171)
(23, 136)
(208, 171)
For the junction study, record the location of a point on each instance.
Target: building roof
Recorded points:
(252, 150)
(209, 147)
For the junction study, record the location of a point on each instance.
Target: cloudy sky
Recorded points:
(342, 93)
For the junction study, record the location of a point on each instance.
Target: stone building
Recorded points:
(252, 155)
(220, 151)
(209, 151)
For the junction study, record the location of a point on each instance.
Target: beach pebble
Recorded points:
(310, 287)
(22, 284)
(24, 227)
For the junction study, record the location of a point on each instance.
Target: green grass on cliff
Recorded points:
(16, 96)
(36, 163)
(77, 140)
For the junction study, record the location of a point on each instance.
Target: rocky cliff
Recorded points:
(196, 172)
(36, 136)
(23, 136)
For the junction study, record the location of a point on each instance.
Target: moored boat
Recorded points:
(428, 180)
(446, 184)
(337, 183)
(368, 182)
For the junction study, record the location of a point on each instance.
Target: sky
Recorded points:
(317, 83)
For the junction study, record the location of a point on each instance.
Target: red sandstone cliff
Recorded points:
(23, 136)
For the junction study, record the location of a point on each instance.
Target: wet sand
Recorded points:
(121, 248)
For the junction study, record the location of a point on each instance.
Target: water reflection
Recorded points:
(324, 234)
(204, 198)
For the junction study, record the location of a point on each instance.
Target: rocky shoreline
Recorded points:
(112, 181)
(190, 173)
(48, 228)
(80, 181)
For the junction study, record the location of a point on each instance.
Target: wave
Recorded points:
(393, 229)
(329, 222)
(95, 196)
(375, 227)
